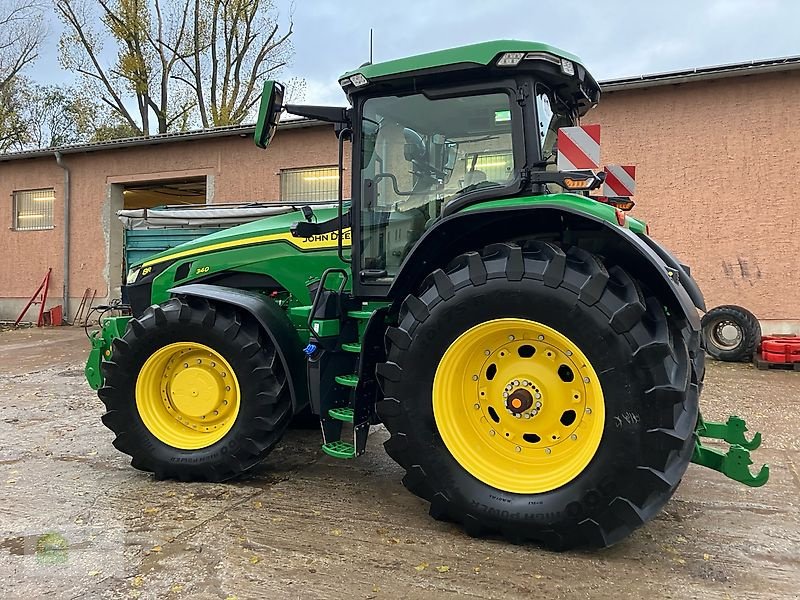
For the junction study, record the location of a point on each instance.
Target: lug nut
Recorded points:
(511, 338)
(588, 411)
(527, 415)
(547, 450)
(573, 437)
(487, 352)
(477, 406)
(518, 449)
(585, 380)
(474, 378)
(540, 338)
(492, 432)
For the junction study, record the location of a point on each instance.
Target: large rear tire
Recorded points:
(194, 391)
(596, 429)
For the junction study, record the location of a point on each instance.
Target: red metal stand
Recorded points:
(41, 291)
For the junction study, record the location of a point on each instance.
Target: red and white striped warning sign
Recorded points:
(620, 181)
(579, 148)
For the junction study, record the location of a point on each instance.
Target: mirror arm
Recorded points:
(329, 114)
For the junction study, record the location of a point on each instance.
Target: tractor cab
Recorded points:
(436, 133)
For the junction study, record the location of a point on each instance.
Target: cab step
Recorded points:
(352, 347)
(339, 449)
(341, 414)
(347, 380)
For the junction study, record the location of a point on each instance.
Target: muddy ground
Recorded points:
(77, 521)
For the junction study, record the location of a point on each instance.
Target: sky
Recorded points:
(615, 38)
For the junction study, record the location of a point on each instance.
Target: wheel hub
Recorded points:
(519, 399)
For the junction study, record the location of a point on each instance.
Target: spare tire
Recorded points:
(730, 333)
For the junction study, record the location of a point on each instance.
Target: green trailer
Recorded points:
(532, 351)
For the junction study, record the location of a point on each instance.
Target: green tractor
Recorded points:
(533, 353)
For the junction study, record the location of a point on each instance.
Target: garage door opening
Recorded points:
(149, 194)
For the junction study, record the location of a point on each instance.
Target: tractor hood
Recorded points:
(261, 231)
(259, 255)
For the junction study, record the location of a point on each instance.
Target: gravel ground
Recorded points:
(78, 521)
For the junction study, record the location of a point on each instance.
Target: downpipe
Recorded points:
(67, 187)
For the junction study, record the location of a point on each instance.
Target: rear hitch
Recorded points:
(735, 463)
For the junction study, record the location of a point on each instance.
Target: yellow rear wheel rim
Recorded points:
(187, 395)
(518, 405)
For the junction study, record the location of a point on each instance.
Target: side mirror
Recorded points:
(268, 113)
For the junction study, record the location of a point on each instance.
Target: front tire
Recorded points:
(195, 391)
(613, 462)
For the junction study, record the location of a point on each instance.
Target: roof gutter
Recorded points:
(67, 189)
(695, 75)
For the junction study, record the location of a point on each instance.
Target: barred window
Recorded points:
(33, 209)
(300, 185)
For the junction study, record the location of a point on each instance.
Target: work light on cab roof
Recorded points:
(457, 297)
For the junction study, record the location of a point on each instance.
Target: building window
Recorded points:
(33, 209)
(497, 165)
(306, 185)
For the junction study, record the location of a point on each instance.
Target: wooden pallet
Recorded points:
(764, 365)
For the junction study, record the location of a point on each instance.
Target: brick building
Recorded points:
(716, 151)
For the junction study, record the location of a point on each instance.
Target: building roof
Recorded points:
(788, 63)
(477, 54)
(161, 138)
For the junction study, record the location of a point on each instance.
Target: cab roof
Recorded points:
(481, 54)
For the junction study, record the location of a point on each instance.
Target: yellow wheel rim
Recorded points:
(518, 405)
(187, 395)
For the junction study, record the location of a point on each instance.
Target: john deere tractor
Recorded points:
(533, 353)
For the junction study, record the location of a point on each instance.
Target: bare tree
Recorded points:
(177, 62)
(234, 46)
(147, 42)
(21, 33)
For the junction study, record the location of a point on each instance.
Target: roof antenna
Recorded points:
(370, 45)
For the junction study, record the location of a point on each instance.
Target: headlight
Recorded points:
(133, 274)
(358, 80)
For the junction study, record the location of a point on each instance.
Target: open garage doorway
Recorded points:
(149, 194)
(147, 191)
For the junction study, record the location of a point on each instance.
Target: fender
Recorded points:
(273, 321)
(565, 218)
